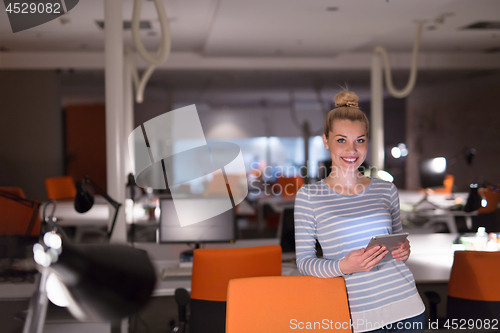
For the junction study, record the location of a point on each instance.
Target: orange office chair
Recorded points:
(60, 188)
(19, 223)
(14, 190)
(287, 304)
(18, 215)
(491, 197)
(447, 188)
(290, 185)
(486, 216)
(473, 290)
(212, 270)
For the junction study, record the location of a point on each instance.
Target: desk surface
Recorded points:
(430, 262)
(431, 257)
(162, 288)
(67, 215)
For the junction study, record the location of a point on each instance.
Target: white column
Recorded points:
(377, 113)
(128, 107)
(113, 57)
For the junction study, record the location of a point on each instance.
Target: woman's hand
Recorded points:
(403, 252)
(362, 260)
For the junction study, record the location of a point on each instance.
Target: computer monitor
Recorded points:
(432, 172)
(219, 229)
(287, 231)
(324, 169)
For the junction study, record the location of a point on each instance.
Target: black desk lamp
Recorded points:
(98, 283)
(84, 199)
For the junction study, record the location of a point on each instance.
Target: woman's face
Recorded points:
(348, 144)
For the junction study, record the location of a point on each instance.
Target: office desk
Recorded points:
(167, 288)
(162, 288)
(409, 198)
(277, 203)
(447, 216)
(431, 257)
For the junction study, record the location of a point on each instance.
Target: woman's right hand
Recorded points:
(362, 260)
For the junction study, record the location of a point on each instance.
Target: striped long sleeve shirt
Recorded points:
(387, 293)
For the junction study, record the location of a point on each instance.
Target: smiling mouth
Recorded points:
(350, 160)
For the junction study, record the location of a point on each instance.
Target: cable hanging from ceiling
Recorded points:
(413, 71)
(153, 60)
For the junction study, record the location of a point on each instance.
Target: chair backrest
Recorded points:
(447, 185)
(18, 214)
(59, 188)
(287, 303)
(14, 190)
(474, 275)
(290, 185)
(213, 268)
(491, 197)
(473, 289)
(212, 271)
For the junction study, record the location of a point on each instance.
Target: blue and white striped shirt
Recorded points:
(342, 224)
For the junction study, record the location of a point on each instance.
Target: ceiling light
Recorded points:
(143, 25)
(483, 25)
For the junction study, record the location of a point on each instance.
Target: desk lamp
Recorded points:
(432, 173)
(98, 282)
(474, 200)
(84, 199)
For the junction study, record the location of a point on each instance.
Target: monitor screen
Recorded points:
(432, 172)
(287, 240)
(220, 228)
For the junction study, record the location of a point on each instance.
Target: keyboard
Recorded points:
(176, 272)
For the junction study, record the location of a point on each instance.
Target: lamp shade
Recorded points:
(106, 282)
(84, 199)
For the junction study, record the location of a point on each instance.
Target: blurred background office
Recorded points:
(262, 74)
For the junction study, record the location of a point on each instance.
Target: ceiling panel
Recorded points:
(275, 27)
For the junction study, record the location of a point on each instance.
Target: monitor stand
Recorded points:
(424, 199)
(187, 256)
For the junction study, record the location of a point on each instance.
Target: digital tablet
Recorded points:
(391, 242)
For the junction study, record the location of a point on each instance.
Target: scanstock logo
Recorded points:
(171, 151)
(26, 14)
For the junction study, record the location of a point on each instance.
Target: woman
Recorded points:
(343, 212)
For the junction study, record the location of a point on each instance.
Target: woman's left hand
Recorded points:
(403, 252)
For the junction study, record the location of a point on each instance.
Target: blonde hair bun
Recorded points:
(346, 98)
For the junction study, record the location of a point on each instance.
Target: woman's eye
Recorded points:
(361, 140)
(341, 140)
